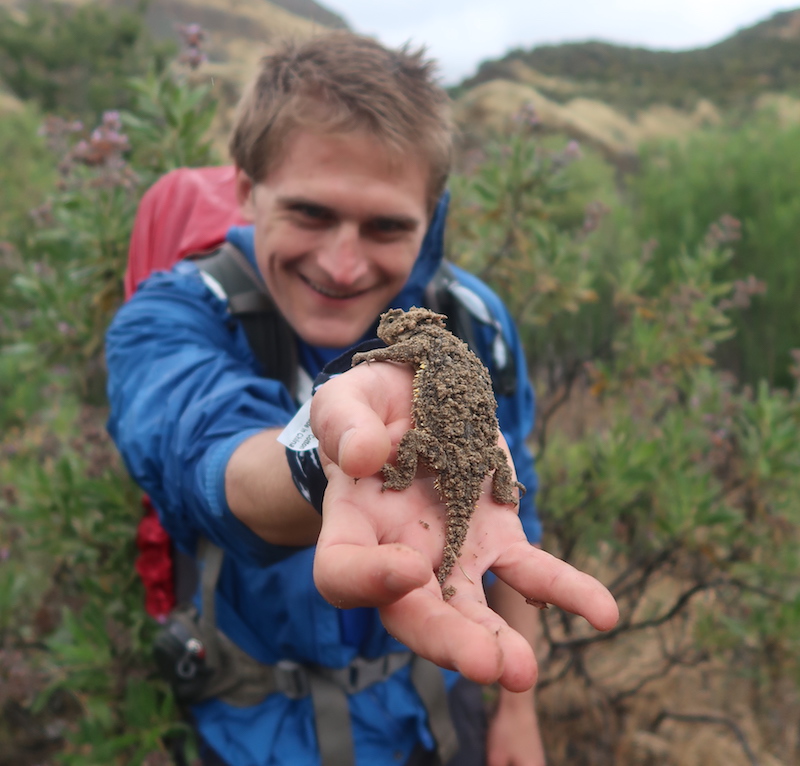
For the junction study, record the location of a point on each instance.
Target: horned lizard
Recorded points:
(454, 422)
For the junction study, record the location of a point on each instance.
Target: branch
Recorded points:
(553, 405)
(628, 627)
(710, 719)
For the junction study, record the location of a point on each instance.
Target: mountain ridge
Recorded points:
(616, 97)
(755, 59)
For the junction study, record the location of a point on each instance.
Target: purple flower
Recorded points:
(111, 120)
(193, 57)
(573, 151)
(192, 36)
(527, 115)
(105, 145)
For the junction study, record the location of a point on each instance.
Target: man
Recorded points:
(342, 150)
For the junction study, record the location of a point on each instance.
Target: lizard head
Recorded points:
(396, 324)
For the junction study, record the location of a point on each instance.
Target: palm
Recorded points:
(416, 517)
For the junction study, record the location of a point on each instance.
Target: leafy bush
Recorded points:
(659, 472)
(75, 672)
(74, 60)
(749, 172)
(69, 276)
(526, 216)
(28, 171)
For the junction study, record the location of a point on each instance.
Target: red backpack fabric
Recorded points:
(187, 211)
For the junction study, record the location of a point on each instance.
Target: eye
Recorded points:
(386, 225)
(310, 214)
(388, 228)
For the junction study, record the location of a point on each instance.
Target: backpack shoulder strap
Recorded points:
(271, 338)
(273, 343)
(464, 308)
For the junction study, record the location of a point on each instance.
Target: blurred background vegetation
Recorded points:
(655, 284)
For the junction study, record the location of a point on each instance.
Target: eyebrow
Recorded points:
(407, 222)
(289, 203)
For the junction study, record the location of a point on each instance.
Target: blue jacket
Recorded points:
(185, 390)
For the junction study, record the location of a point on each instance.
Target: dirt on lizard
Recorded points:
(454, 422)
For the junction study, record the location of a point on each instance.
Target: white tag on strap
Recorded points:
(298, 435)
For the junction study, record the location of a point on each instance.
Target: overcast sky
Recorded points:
(462, 33)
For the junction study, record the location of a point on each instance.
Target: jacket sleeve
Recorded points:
(184, 392)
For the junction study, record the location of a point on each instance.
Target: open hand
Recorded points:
(382, 549)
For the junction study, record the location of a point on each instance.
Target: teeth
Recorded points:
(332, 293)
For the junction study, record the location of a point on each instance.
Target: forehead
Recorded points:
(331, 165)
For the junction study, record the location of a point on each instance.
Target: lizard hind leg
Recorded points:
(413, 447)
(503, 482)
(400, 475)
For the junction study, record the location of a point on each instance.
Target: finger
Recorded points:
(357, 415)
(541, 576)
(435, 630)
(520, 669)
(350, 575)
(350, 431)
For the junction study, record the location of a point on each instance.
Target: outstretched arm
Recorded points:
(261, 494)
(514, 737)
(382, 548)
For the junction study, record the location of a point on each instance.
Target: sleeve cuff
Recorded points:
(237, 538)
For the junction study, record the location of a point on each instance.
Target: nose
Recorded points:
(342, 257)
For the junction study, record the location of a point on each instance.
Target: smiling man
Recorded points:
(331, 640)
(338, 226)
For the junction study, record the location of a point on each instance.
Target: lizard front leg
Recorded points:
(407, 352)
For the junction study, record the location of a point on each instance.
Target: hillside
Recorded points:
(765, 57)
(237, 34)
(235, 29)
(315, 12)
(608, 96)
(615, 97)
(613, 133)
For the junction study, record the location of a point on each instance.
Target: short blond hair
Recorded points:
(338, 83)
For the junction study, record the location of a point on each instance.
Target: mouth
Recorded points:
(330, 292)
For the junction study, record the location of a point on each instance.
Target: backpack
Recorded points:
(187, 211)
(186, 214)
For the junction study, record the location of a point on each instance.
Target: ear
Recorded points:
(244, 194)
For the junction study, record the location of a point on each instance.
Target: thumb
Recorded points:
(350, 432)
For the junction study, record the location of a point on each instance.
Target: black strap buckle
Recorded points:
(291, 679)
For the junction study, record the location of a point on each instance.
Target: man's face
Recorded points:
(337, 231)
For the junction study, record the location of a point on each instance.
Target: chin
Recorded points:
(333, 334)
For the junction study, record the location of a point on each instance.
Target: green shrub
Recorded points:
(28, 171)
(528, 216)
(749, 172)
(659, 472)
(75, 60)
(74, 638)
